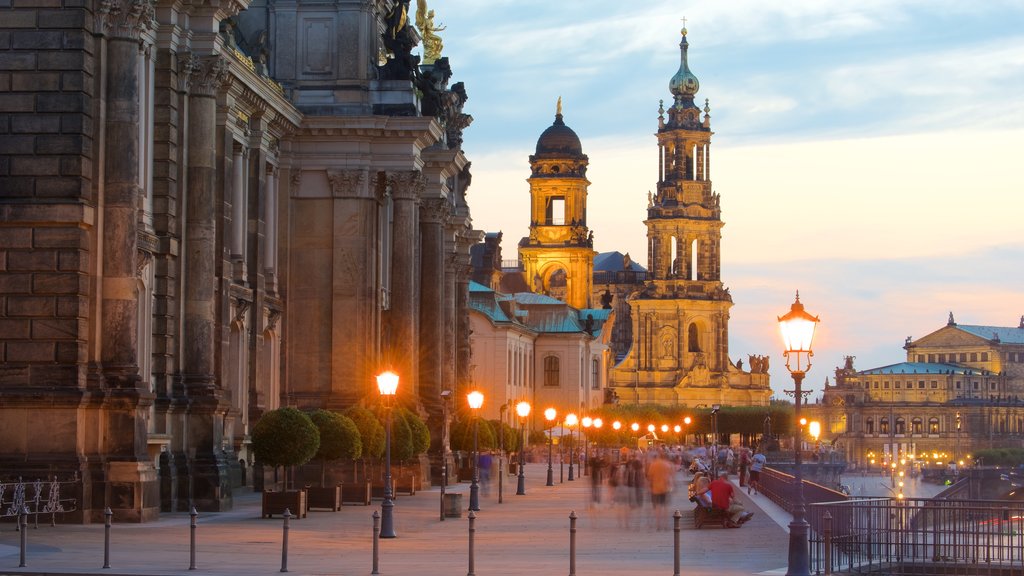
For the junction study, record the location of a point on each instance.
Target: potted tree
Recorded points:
(462, 441)
(339, 438)
(285, 437)
(371, 432)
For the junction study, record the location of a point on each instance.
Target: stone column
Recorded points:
(123, 23)
(208, 480)
(402, 347)
(433, 216)
(131, 487)
(270, 230)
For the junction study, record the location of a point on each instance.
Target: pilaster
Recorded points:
(402, 345)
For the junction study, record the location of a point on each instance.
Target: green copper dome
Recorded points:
(684, 84)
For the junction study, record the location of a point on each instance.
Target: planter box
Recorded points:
(356, 493)
(465, 474)
(452, 505)
(324, 497)
(407, 484)
(277, 502)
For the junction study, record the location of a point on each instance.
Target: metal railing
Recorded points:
(37, 497)
(919, 536)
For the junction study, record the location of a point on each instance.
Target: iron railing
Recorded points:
(36, 498)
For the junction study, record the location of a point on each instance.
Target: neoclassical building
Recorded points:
(211, 209)
(679, 350)
(960, 389)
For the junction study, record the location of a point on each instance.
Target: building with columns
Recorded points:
(679, 349)
(960, 389)
(211, 209)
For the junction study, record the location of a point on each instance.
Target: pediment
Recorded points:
(949, 336)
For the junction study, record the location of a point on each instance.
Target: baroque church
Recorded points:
(668, 333)
(211, 209)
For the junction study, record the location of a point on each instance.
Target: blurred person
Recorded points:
(659, 475)
(757, 462)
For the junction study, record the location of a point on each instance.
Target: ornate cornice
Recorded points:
(407, 185)
(348, 183)
(125, 19)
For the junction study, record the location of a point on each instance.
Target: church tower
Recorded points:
(558, 256)
(680, 349)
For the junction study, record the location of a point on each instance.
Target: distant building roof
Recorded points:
(1005, 335)
(920, 368)
(615, 262)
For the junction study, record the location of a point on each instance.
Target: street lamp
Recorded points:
(476, 400)
(571, 420)
(387, 385)
(797, 327)
(714, 435)
(587, 422)
(523, 409)
(549, 415)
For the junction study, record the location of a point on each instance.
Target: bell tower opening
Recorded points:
(555, 215)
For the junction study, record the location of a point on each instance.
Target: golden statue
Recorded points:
(432, 44)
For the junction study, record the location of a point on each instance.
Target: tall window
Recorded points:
(869, 424)
(933, 425)
(595, 374)
(901, 425)
(884, 426)
(693, 342)
(556, 211)
(551, 369)
(916, 426)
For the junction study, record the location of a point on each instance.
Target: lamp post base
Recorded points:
(551, 476)
(474, 496)
(521, 485)
(799, 553)
(387, 517)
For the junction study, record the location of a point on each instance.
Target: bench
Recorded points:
(702, 516)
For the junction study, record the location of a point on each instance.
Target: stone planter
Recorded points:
(324, 497)
(407, 484)
(378, 489)
(356, 493)
(277, 502)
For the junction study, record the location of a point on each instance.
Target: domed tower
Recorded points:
(680, 348)
(558, 256)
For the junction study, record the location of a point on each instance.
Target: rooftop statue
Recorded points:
(432, 43)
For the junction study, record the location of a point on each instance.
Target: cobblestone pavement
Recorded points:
(523, 535)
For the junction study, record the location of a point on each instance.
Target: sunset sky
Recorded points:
(868, 154)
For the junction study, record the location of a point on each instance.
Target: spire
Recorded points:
(558, 107)
(684, 84)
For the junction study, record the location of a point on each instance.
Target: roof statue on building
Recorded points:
(951, 322)
(432, 43)
(399, 39)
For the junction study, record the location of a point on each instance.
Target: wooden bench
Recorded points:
(702, 516)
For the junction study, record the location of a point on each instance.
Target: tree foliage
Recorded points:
(339, 436)
(420, 432)
(462, 435)
(285, 437)
(371, 432)
(1000, 456)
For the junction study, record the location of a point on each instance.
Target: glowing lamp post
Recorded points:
(797, 327)
(570, 421)
(476, 400)
(387, 385)
(587, 422)
(523, 410)
(549, 415)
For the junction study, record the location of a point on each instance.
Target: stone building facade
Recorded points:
(679, 354)
(211, 209)
(960, 389)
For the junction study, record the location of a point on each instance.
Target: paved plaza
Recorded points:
(523, 535)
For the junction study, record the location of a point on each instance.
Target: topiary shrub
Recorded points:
(401, 436)
(339, 438)
(285, 437)
(462, 435)
(420, 433)
(370, 431)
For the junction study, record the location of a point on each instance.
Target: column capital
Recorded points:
(125, 19)
(348, 183)
(407, 185)
(434, 210)
(203, 75)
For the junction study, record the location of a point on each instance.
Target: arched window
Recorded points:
(692, 339)
(869, 425)
(933, 425)
(551, 371)
(883, 426)
(901, 425)
(916, 426)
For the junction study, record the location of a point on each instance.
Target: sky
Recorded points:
(867, 153)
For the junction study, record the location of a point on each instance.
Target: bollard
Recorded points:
(675, 528)
(828, 542)
(284, 540)
(23, 526)
(192, 539)
(472, 531)
(572, 543)
(108, 514)
(376, 542)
